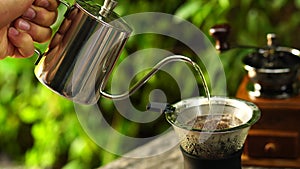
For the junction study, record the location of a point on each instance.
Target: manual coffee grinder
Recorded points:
(272, 83)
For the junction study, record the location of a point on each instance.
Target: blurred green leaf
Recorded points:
(79, 148)
(188, 9)
(277, 4)
(29, 115)
(224, 3)
(297, 3)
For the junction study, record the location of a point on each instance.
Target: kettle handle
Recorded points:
(63, 9)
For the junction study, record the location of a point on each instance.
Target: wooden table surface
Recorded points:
(171, 159)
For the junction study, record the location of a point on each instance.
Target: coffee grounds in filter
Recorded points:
(212, 146)
(214, 122)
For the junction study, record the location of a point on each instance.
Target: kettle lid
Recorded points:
(105, 14)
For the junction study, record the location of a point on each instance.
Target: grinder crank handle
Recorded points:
(220, 34)
(63, 10)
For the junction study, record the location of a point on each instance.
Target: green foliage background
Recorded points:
(39, 129)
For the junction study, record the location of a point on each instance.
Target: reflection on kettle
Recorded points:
(83, 52)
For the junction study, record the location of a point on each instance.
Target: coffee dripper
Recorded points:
(219, 142)
(82, 53)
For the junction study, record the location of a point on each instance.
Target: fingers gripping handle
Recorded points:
(63, 9)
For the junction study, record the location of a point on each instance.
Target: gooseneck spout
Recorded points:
(140, 83)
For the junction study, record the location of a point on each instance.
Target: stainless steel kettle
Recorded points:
(83, 52)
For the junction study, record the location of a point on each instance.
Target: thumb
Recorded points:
(12, 9)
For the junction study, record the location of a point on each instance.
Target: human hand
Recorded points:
(23, 22)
